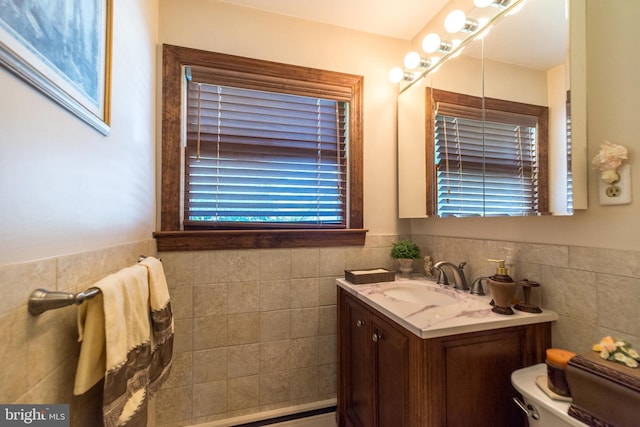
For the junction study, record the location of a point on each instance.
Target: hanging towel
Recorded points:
(161, 324)
(127, 341)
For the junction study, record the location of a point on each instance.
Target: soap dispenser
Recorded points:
(502, 288)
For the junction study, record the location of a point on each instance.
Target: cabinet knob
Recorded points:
(360, 323)
(376, 337)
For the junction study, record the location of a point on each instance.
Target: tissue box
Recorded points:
(373, 275)
(604, 393)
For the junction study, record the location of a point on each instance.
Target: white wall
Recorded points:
(66, 188)
(220, 27)
(613, 88)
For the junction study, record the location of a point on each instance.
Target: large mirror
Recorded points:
(528, 57)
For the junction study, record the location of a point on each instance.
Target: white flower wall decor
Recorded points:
(608, 159)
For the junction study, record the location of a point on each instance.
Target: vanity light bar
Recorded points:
(456, 21)
(397, 74)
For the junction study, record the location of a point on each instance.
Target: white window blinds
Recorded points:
(485, 167)
(569, 156)
(264, 159)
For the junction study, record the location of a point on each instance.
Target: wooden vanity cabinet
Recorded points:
(374, 354)
(390, 377)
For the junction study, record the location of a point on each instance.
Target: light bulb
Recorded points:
(396, 75)
(482, 3)
(431, 43)
(412, 60)
(455, 21)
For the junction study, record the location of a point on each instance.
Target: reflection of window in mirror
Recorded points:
(569, 157)
(489, 161)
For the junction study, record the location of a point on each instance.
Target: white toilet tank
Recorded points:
(542, 410)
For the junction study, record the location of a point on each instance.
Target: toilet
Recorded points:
(542, 411)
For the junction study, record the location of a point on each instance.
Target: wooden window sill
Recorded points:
(200, 240)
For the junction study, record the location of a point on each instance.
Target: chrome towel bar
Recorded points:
(42, 300)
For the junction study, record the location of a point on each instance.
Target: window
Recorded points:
(488, 161)
(258, 154)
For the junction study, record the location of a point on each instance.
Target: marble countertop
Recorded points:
(441, 312)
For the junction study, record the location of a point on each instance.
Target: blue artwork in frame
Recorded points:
(63, 48)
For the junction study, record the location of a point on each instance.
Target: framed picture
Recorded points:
(63, 48)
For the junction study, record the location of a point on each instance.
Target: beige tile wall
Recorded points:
(595, 291)
(38, 354)
(255, 330)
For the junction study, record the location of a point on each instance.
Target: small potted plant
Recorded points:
(405, 251)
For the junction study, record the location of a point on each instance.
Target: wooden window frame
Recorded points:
(433, 96)
(253, 74)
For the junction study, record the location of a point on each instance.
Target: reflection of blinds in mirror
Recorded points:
(485, 168)
(569, 157)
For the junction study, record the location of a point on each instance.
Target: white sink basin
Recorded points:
(419, 295)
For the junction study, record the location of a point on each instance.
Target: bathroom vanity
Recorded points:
(412, 353)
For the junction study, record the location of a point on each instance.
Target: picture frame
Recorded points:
(63, 49)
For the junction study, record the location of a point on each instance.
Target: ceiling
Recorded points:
(539, 37)
(536, 37)
(393, 18)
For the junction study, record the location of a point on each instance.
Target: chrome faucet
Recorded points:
(476, 287)
(460, 281)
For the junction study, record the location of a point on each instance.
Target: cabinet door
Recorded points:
(392, 380)
(358, 382)
(475, 370)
